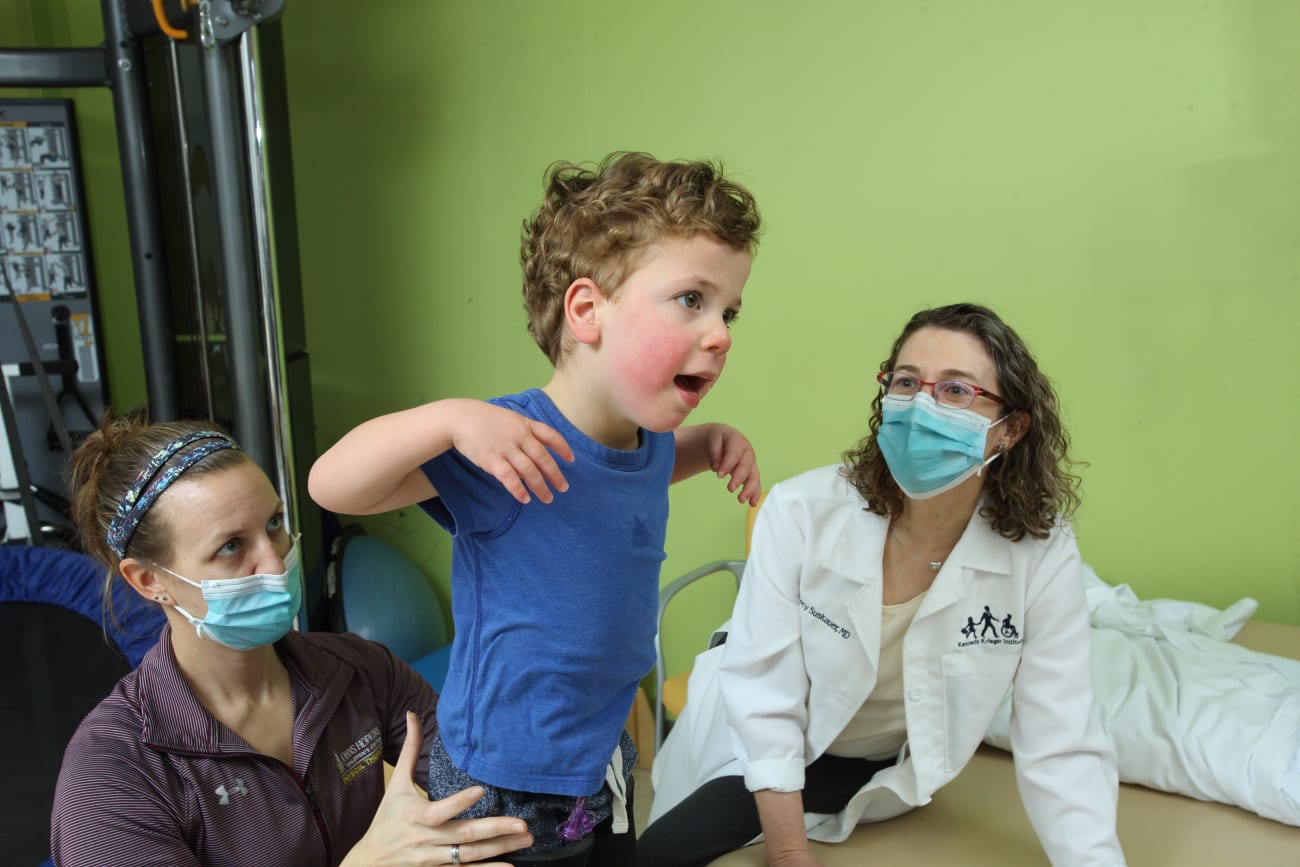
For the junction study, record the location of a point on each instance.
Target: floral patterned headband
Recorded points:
(149, 484)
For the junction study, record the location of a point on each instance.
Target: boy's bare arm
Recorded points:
(376, 467)
(722, 449)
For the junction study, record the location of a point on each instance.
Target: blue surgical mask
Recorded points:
(931, 448)
(244, 613)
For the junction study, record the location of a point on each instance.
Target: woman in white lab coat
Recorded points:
(888, 606)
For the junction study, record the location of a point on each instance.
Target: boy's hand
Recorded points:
(514, 449)
(731, 454)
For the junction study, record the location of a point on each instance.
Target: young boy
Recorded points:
(632, 278)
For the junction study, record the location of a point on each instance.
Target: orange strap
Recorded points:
(164, 25)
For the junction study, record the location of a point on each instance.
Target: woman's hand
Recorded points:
(409, 830)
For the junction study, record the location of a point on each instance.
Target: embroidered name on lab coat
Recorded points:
(817, 615)
(985, 628)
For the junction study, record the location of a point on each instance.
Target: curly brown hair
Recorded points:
(104, 466)
(1031, 487)
(593, 223)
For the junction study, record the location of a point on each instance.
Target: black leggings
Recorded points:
(602, 848)
(721, 816)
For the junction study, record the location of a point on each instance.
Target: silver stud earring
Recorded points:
(1002, 447)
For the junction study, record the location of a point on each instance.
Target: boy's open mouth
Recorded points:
(692, 388)
(693, 384)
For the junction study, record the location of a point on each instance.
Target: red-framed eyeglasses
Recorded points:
(948, 392)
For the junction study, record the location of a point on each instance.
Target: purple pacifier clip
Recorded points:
(580, 822)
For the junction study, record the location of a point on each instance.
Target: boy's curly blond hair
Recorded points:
(594, 223)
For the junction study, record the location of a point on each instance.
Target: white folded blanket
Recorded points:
(1188, 711)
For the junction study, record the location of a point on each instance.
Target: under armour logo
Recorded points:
(237, 789)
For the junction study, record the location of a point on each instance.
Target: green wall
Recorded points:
(1120, 180)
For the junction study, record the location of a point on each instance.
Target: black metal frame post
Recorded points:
(247, 284)
(25, 494)
(119, 65)
(251, 405)
(140, 179)
(240, 179)
(54, 67)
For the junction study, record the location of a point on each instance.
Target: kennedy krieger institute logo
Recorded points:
(985, 629)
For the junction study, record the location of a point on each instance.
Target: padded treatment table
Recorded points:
(977, 820)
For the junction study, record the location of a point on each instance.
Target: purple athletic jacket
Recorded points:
(152, 778)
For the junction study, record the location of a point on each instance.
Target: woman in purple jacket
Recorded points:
(237, 740)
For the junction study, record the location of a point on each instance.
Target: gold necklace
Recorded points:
(935, 565)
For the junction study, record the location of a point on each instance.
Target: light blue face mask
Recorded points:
(244, 613)
(931, 448)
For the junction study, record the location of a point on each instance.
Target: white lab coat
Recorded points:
(801, 655)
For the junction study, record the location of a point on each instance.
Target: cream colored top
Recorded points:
(879, 729)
